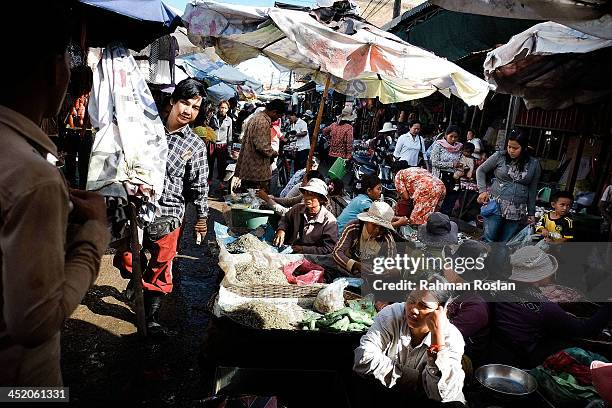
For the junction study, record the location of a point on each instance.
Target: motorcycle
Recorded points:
(378, 162)
(286, 155)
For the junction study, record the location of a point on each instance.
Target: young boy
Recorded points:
(556, 226)
(468, 162)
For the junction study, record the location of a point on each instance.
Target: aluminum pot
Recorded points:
(506, 381)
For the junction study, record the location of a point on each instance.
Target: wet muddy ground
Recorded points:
(104, 360)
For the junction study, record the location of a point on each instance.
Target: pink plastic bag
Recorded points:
(304, 272)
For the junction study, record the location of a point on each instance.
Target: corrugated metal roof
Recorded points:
(425, 6)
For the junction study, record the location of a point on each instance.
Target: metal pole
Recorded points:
(135, 247)
(313, 137)
(397, 8)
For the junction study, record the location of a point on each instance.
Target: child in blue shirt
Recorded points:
(370, 190)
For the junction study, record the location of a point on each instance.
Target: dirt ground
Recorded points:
(104, 360)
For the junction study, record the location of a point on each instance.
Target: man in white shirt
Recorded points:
(409, 146)
(299, 128)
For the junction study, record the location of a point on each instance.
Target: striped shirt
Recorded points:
(186, 174)
(351, 248)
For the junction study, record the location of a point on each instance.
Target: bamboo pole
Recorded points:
(135, 247)
(315, 134)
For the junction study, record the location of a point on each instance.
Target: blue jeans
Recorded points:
(499, 229)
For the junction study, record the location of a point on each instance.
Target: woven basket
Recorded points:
(275, 291)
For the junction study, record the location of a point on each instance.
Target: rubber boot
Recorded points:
(152, 304)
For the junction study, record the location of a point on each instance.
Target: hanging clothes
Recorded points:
(130, 149)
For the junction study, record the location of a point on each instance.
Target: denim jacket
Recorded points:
(518, 191)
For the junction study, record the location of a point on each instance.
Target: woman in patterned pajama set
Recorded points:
(426, 190)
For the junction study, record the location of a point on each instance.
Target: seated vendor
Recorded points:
(366, 238)
(527, 326)
(412, 352)
(370, 190)
(309, 227)
(281, 205)
(468, 310)
(435, 234)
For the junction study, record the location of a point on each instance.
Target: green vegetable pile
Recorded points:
(356, 317)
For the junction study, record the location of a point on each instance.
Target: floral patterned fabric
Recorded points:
(341, 143)
(425, 190)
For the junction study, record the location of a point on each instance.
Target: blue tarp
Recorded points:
(133, 23)
(200, 67)
(145, 10)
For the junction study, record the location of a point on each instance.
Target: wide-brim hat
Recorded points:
(229, 171)
(438, 231)
(379, 213)
(347, 114)
(388, 127)
(317, 186)
(531, 264)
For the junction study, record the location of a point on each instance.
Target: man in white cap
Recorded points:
(384, 138)
(309, 227)
(410, 145)
(365, 238)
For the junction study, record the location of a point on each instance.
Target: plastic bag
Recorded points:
(331, 298)
(490, 208)
(523, 238)
(304, 272)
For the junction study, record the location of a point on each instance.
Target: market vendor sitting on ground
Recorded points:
(412, 354)
(366, 238)
(424, 189)
(556, 226)
(527, 326)
(469, 311)
(186, 174)
(436, 233)
(309, 227)
(370, 190)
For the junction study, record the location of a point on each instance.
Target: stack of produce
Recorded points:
(247, 243)
(250, 274)
(261, 315)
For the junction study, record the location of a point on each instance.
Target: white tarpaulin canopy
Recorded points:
(552, 66)
(591, 17)
(363, 60)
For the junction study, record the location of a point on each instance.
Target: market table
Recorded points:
(259, 359)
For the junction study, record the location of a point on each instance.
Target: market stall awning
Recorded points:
(592, 17)
(134, 23)
(552, 66)
(363, 60)
(201, 67)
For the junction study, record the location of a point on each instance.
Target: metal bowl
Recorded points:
(506, 380)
